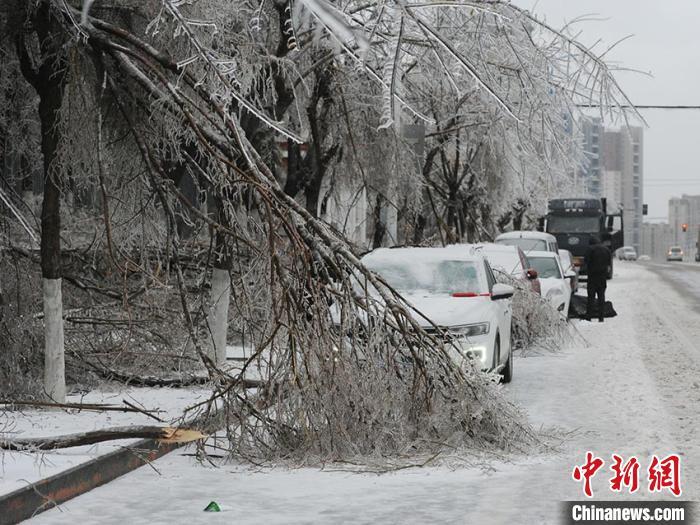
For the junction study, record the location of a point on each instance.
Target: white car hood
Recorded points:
(449, 311)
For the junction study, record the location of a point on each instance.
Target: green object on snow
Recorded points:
(212, 507)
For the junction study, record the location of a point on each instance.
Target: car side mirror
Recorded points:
(531, 274)
(502, 291)
(570, 275)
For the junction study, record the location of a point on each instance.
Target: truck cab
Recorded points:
(574, 221)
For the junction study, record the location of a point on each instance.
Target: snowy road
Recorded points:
(632, 388)
(685, 277)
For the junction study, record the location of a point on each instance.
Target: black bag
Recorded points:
(577, 308)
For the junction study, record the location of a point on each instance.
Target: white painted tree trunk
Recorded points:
(54, 361)
(218, 313)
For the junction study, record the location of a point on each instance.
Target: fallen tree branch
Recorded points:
(173, 382)
(81, 406)
(87, 438)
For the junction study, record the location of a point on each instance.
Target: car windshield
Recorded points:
(580, 224)
(526, 245)
(546, 267)
(676, 250)
(433, 277)
(508, 263)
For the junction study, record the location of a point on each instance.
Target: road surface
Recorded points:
(629, 386)
(684, 276)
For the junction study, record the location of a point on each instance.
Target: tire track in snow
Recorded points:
(668, 329)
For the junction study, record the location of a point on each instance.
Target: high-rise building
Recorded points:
(589, 173)
(684, 210)
(622, 168)
(655, 240)
(611, 187)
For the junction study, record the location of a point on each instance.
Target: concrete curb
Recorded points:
(47, 493)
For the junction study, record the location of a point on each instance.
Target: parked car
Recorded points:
(457, 290)
(567, 264)
(529, 241)
(675, 253)
(643, 258)
(511, 261)
(627, 253)
(555, 285)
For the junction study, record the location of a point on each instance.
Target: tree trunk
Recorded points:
(48, 79)
(54, 364)
(379, 226)
(51, 272)
(92, 437)
(218, 313)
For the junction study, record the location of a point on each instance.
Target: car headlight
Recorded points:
(469, 330)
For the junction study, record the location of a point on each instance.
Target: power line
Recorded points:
(672, 179)
(641, 106)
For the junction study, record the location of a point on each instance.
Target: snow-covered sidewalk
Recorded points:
(631, 388)
(17, 469)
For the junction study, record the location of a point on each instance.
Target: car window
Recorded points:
(547, 267)
(508, 263)
(433, 277)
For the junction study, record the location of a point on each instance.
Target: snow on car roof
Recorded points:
(527, 235)
(417, 254)
(541, 253)
(486, 247)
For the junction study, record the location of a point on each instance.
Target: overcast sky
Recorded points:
(665, 43)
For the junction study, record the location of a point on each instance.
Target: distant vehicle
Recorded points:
(457, 290)
(511, 261)
(643, 258)
(675, 253)
(567, 264)
(627, 253)
(555, 284)
(574, 221)
(529, 241)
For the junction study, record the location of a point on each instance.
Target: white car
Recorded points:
(675, 253)
(556, 287)
(454, 288)
(570, 269)
(627, 253)
(529, 241)
(509, 260)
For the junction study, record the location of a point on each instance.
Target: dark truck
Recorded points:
(574, 221)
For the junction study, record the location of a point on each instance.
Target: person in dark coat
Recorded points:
(597, 261)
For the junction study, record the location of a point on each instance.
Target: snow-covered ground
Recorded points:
(17, 469)
(632, 388)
